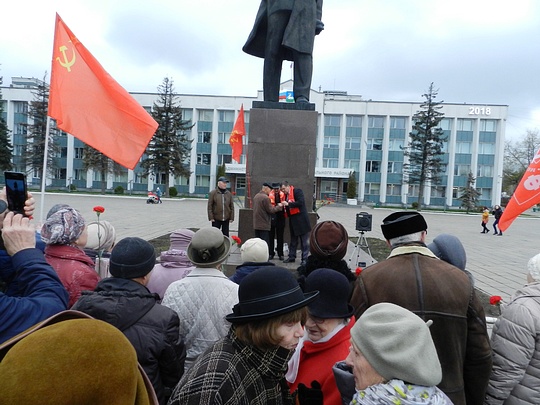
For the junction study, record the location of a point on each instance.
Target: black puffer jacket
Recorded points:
(151, 328)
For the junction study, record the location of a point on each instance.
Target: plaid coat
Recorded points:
(231, 372)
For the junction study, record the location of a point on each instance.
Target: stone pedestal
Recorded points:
(282, 146)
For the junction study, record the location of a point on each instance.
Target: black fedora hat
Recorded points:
(334, 290)
(266, 293)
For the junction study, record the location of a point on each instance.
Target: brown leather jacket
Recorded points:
(220, 206)
(433, 289)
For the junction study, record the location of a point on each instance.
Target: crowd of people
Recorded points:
(407, 330)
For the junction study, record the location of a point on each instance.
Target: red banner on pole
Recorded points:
(237, 133)
(89, 104)
(526, 195)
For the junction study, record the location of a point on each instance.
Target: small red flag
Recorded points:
(526, 194)
(90, 105)
(237, 133)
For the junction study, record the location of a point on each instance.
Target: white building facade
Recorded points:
(354, 134)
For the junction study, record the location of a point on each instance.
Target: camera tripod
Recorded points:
(361, 242)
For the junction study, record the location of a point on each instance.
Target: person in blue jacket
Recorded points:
(39, 292)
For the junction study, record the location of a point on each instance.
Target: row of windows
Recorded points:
(412, 191)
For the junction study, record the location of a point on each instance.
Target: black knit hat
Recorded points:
(402, 223)
(268, 292)
(131, 258)
(334, 290)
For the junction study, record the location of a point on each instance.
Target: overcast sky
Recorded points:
(475, 51)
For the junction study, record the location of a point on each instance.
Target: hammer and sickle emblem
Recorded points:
(66, 63)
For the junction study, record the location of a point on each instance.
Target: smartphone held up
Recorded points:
(16, 191)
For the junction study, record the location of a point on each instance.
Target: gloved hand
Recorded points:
(309, 396)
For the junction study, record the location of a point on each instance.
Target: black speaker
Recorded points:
(363, 221)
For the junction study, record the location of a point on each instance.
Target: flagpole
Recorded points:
(44, 173)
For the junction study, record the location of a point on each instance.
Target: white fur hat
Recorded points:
(254, 250)
(533, 267)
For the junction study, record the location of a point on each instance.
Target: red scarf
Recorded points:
(272, 196)
(290, 198)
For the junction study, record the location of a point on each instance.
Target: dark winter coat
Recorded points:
(298, 223)
(151, 328)
(245, 268)
(39, 295)
(300, 31)
(414, 278)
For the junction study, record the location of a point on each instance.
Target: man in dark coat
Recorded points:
(299, 225)
(414, 278)
(124, 301)
(285, 30)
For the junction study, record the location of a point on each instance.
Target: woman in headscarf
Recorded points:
(65, 235)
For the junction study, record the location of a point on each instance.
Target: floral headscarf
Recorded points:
(63, 227)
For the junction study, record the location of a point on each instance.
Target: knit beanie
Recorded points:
(329, 239)
(450, 249)
(397, 344)
(131, 258)
(180, 239)
(533, 267)
(63, 227)
(101, 235)
(254, 250)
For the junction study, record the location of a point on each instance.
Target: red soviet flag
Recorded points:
(237, 133)
(526, 195)
(89, 104)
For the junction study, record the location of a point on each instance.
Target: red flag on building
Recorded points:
(90, 105)
(526, 194)
(237, 133)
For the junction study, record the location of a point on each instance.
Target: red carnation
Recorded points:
(99, 209)
(358, 271)
(495, 300)
(236, 239)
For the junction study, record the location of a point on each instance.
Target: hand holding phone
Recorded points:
(16, 191)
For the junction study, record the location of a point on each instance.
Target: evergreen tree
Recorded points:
(6, 149)
(98, 162)
(35, 141)
(425, 146)
(470, 195)
(351, 185)
(221, 171)
(169, 150)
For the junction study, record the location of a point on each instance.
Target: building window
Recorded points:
(329, 186)
(395, 167)
(202, 181)
(464, 124)
(240, 182)
(79, 174)
(140, 178)
(376, 122)
(224, 159)
(203, 158)
(223, 137)
(226, 116)
(438, 192)
(331, 142)
(330, 163)
(352, 164)
(463, 147)
(60, 174)
(486, 148)
(393, 189)
(374, 144)
(485, 193)
(413, 190)
(484, 171)
(397, 122)
(206, 115)
(446, 124)
(396, 145)
(20, 107)
(373, 188)
(79, 152)
(462, 170)
(204, 137)
(373, 166)
(488, 125)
